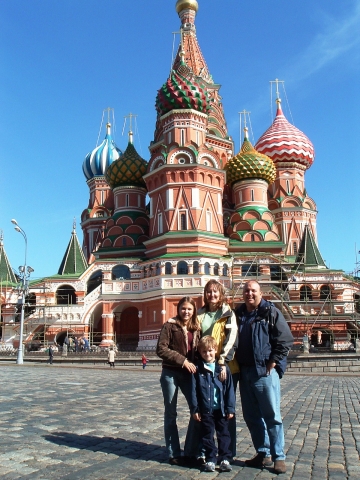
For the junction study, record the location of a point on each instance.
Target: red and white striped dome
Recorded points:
(283, 142)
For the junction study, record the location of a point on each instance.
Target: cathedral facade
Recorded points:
(157, 229)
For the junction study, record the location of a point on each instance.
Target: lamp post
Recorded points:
(25, 272)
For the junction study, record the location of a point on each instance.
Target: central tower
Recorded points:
(191, 147)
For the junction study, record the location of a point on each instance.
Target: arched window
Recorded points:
(124, 241)
(65, 295)
(207, 268)
(325, 292)
(216, 269)
(225, 270)
(94, 281)
(182, 268)
(120, 272)
(305, 293)
(196, 268)
(168, 269)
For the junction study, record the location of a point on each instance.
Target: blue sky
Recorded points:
(63, 63)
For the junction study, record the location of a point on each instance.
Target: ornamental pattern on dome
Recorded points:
(285, 143)
(249, 163)
(180, 92)
(97, 162)
(127, 170)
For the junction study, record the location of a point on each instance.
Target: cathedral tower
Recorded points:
(292, 153)
(185, 178)
(101, 201)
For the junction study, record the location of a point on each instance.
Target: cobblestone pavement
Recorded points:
(97, 423)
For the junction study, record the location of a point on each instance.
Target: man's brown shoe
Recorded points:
(259, 461)
(279, 466)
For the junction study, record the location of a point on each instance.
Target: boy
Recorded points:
(213, 404)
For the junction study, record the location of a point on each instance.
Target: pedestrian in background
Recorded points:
(144, 361)
(111, 357)
(51, 355)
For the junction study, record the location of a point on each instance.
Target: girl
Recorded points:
(176, 347)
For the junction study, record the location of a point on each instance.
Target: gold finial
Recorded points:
(184, 4)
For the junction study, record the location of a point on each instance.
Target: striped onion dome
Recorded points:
(97, 161)
(249, 163)
(128, 169)
(285, 143)
(181, 91)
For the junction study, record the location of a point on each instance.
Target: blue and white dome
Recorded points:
(97, 162)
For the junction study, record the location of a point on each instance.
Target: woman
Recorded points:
(176, 347)
(218, 320)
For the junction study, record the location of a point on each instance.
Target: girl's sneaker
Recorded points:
(209, 467)
(225, 466)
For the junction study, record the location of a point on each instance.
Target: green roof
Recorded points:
(7, 275)
(309, 255)
(74, 261)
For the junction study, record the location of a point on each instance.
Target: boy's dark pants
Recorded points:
(212, 422)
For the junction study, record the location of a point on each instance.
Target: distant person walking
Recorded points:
(51, 355)
(144, 361)
(111, 357)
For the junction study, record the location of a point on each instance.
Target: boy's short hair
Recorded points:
(206, 342)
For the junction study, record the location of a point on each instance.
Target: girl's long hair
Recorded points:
(220, 288)
(193, 323)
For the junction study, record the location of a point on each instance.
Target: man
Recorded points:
(264, 341)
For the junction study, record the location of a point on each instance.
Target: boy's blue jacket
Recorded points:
(202, 399)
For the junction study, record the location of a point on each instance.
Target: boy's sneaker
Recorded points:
(209, 467)
(225, 466)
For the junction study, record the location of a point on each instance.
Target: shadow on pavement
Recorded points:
(131, 449)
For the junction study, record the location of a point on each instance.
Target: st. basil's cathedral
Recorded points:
(157, 230)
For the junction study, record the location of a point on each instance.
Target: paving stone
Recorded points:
(81, 423)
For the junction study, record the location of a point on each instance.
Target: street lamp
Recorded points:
(25, 272)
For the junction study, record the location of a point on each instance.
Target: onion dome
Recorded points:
(128, 169)
(249, 163)
(184, 4)
(285, 143)
(180, 92)
(97, 162)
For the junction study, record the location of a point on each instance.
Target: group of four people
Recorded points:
(206, 354)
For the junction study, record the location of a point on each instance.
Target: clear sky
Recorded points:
(63, 62)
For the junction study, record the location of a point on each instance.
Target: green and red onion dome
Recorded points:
(249, 163)
(127, 170)
(179, 93)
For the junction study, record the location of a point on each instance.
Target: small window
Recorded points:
(183, 221)
(252, 195)
(216, 269)
(168, 269)
(295, 248)
(160, 223)
(207, 268)
(182, 268)
(196, 268)
(225, 270)
(124, 242)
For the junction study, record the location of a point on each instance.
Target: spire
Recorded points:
(309, 255)
(74, 262)
(6, 272)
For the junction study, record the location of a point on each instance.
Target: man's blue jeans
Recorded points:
(171, 381)
(260, 399)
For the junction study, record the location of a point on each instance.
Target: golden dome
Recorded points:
(183, 4)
